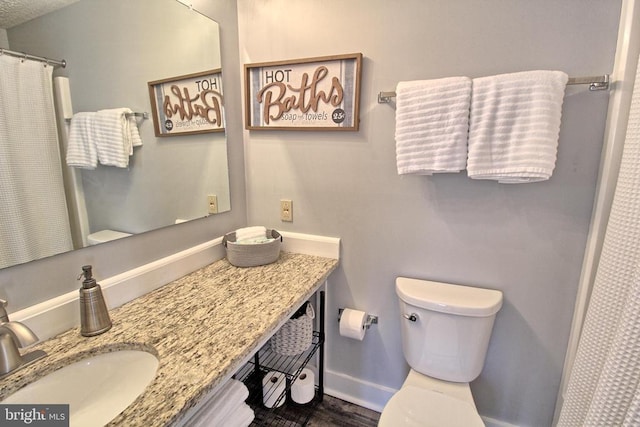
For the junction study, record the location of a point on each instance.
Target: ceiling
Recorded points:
(15, 12)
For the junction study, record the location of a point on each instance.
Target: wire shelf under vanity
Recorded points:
(290, 413)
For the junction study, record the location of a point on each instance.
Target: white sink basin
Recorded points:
(97, 388)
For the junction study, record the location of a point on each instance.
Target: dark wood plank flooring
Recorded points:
(330, 412)
(336, 412)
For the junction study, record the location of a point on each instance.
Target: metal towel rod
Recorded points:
(144, 115)
(594, 82)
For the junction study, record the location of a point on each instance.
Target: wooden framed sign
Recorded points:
(188, 104)
(304, 94)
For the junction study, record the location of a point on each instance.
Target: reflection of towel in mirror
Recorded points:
(107, 136)
(113, 136)
(81, 151)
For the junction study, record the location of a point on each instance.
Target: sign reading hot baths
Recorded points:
(188, 104)
(314, 93)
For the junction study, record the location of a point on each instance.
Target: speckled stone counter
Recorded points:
(201, 327)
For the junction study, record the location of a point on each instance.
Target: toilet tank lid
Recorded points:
(449, 298)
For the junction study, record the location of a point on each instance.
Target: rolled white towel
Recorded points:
(241, 417)
(250, 233)
(225, 402)
(514, 126)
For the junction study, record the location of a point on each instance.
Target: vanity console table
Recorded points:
(232, 311)
(285, 412)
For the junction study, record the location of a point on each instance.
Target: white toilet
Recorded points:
(103, 236)
(445, 335)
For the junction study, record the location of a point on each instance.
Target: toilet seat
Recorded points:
(419, 407)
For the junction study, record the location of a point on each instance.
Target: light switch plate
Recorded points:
(286, 210)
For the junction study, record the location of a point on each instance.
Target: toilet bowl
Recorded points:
(445, 335)
(105, 236)
(427, 402)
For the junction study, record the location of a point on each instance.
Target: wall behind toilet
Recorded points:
(527, 240)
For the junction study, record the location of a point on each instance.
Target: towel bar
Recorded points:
(594, 82)
(144, 116)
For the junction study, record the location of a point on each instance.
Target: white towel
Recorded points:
(432, 123)
(81, 150)
(514, 126)
(220, 406)
(242, 417)
(250, 234)
(113, 138)
(136, 141)
(107, 137)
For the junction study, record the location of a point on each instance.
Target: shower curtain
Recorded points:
(33, 212)
(603, 385)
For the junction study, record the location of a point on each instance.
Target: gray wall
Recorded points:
(526, 240)
(30, 283)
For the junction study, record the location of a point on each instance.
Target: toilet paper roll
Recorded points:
(352, 323)
(273, 386)
(303, 389)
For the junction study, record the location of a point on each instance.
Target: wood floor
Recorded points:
(336, 412)
(330, 412)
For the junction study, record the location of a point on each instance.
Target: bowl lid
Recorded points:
(415, 406)
(448, 298)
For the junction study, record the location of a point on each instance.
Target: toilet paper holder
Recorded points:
(371, 319)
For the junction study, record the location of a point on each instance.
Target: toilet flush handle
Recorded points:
(410, 317)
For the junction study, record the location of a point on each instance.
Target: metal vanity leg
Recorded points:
(322, 338)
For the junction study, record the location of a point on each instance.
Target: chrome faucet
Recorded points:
(12, 336)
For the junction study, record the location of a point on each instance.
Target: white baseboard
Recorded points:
(354, 390)
(492, 422)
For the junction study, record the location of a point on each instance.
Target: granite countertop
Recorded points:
(201, 327)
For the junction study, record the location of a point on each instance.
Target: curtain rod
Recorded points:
(55, 63)
(595, 82)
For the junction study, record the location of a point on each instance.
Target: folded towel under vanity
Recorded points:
(432, 124)
(514, 126)
(225, 408)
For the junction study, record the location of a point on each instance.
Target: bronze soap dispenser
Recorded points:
(94, 316)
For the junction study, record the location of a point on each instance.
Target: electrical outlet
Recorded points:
(286, 210)
(212, 200)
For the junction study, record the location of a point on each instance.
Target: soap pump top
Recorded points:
(94, 316)
(88, 282)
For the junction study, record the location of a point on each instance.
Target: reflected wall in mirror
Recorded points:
(113, 48)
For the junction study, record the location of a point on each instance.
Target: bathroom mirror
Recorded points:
(113, 48)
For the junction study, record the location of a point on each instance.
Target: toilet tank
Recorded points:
(446, 328)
